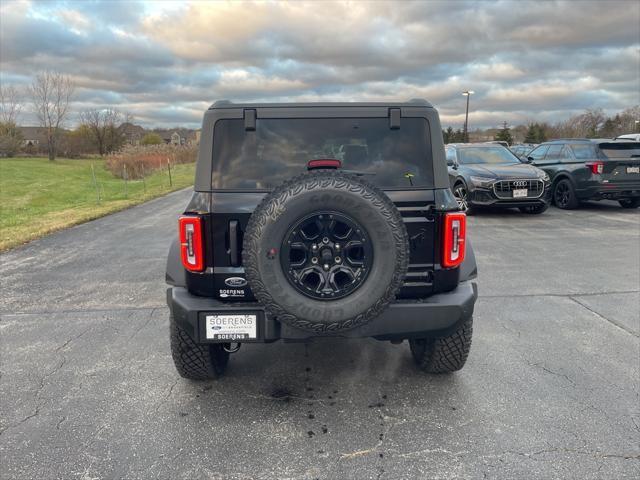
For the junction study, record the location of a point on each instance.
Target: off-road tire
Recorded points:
(317, 191)
(630, 202)
(535, 209)
(193, 360)
(445, 354)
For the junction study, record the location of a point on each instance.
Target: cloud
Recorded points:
(166, 61)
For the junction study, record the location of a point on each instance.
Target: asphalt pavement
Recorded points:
(551, 389)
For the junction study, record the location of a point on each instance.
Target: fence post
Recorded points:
(144, 183)
(124, 175)
(95, 183)
(169, 169)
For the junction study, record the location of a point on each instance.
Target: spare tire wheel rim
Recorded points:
(326, 255)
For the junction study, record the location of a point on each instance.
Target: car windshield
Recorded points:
(491, 155)
(278, 149)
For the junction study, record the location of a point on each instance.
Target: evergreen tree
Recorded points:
(448, 135)
(532, 134)
(504, 135)
(541, 135)
(536, 133)
(608, 128)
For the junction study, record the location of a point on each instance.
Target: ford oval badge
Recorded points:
(235, 282)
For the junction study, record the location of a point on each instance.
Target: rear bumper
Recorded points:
(434, 316)
(612, 191)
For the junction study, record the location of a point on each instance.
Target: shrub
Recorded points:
(10, 139)
(142, 160)
(76, 143)
(151, 139)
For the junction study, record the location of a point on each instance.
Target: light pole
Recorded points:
(637, 123)
(467, 93)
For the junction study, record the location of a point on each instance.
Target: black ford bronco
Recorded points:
(327, 219)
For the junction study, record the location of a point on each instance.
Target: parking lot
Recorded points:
(551, 388)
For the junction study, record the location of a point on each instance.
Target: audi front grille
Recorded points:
(504, 188)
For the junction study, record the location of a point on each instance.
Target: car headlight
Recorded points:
(482, 181)
(543, 175)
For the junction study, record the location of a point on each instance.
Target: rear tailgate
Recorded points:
(621, 163)
(231, 212)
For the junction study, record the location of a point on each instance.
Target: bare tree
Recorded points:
(104, 126)
(628, 119)
(10, 105)
(10, 135)
(51, 94)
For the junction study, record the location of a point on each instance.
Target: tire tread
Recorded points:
(446, 354)
(193, 360)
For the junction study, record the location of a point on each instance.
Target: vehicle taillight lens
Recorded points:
(596, 167)
(453, 240)
(191, 244)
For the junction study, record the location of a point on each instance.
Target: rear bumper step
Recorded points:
(433, 316)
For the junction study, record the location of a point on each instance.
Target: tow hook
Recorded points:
(227, 347)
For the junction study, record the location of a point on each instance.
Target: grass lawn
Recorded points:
(38, 196)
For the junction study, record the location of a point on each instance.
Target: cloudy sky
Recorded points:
(165, 62)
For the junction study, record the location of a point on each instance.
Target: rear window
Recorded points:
(620, 149)
(280, 148)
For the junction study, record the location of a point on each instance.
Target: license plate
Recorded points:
(633, 169)
(522, 192)
(232, 327)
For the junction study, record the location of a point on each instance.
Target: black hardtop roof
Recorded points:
(415, 102)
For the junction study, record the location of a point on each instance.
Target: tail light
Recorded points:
(453, 241)
(596, 167)
(191, 242)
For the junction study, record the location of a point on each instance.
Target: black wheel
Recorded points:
(629, 202)
(535, 209)
(564, 195)
(326, 251)
(462, 197)
(193, 360)
(446, 354)
(326, 255)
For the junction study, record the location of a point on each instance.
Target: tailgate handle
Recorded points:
(233, 243)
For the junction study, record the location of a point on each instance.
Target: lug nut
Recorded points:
(314, 260)
(338, 259)
(325, 240)
(326, 266)
(314, 247)
(337, 245)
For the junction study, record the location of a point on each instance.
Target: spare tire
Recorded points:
(325, 252)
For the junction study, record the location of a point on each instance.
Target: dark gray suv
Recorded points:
(584, 169)
(490, 175)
